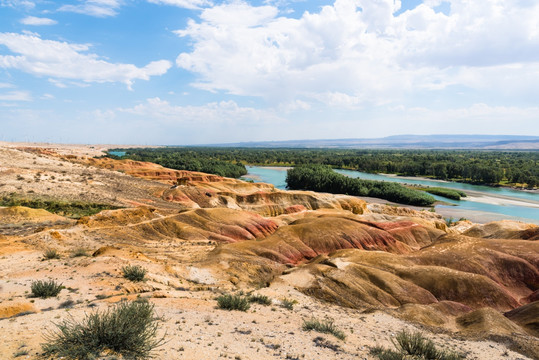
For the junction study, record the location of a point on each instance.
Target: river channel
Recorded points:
(482, 204)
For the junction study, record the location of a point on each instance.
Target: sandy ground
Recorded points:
(480, 217)
(500, 199)
(194, 328)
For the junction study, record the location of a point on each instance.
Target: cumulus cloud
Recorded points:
(357, 51)
(62, 60)
(187, 4)
(32, 20)
(97, 8)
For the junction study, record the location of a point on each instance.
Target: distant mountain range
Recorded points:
(486, 142)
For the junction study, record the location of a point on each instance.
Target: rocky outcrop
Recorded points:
(149, 171)
(505, 229)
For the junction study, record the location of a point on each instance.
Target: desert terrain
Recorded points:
(372, 269)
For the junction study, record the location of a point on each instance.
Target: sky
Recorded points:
(182, 72)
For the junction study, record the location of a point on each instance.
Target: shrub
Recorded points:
(413, 345)
(260, 299)
(50, 254)
(288, 304)
(128, 329)
(79, 252)
(44, 289)
(134, 273)
(323, 326)
(233, 302)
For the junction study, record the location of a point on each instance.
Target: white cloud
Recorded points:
(338, 99)
(187, 4)
(18, 3)
(97, 8)
(211, 113)
(32, 20)
(296, 105)
(357, 52)
(15, 96)
(62, 60)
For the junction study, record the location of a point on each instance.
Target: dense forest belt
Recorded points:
(323, 179)
(186, 159)
(519, 168)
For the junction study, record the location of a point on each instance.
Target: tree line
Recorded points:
(185, 159)
(322, 178)
(477, 167)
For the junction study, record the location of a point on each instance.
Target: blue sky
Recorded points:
(208, 71)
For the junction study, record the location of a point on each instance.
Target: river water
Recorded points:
(483, 203)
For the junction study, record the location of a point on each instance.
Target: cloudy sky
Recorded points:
(207, 71)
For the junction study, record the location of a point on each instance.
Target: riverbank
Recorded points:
(451, 211)
(422, 178)
(482, 205)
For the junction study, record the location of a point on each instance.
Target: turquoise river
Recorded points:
(483, 203)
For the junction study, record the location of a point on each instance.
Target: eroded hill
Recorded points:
(373, 269)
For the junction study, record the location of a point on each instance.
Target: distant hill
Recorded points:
(491, 142)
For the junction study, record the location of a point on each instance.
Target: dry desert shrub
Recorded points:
(128, 329)
(51, 254)
(326, 326)
(233, 302)
(414, 345)
(45, 289)
(134, 273)
(260, 299)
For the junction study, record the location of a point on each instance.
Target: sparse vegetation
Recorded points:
(51, 254)
(79, 252)
(73, 209)
(288, 304)
(134, 273)
(326, 326)
(260, 299)
(20, 352)
(414, 345)
(128, 329)
(45, 289)
(233, 302)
